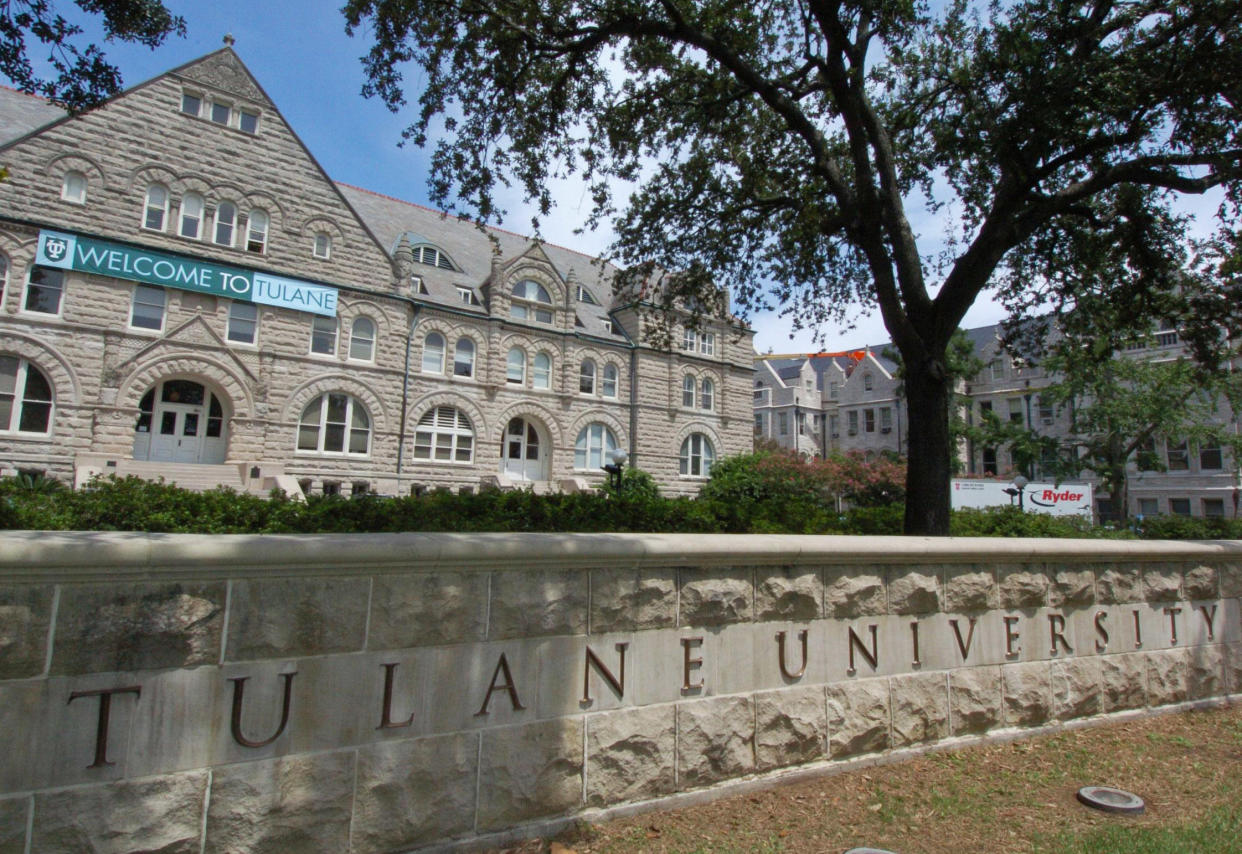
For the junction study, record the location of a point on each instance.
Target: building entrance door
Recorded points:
(523, 458)
(180, 421)
(177, 437)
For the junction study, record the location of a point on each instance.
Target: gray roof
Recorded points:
(21, 113)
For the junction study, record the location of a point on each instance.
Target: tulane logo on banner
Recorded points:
(105, 258)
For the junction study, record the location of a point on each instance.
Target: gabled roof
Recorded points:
(21, 113)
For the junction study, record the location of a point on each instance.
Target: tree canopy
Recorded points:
(793, 150)
(80, 75)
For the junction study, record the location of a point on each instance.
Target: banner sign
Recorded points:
(104, 258)
(1055, 499)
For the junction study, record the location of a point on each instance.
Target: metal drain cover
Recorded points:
(1108, 799)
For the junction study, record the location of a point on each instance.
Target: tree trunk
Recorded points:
(930, 449)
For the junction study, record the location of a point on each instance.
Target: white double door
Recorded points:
(178, 433)
(524, 456)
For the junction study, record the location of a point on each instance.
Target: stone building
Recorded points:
(186, 293)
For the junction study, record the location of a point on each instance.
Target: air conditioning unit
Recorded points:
(886, 429)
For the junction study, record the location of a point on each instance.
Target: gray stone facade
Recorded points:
(199, 165)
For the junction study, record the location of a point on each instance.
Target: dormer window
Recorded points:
(432, 257)
(585, 296)
(531, 301)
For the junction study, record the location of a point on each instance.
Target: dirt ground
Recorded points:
(1004, 797)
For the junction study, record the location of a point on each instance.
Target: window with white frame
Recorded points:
(585, 296)
(432, 257)
(543, 371)
(707, 394)
(851, 419)
(191, 216)
(25, 397)
(191, 104)
(463, 358)
(869, 420)
(997, 369)
(696, 456)
(243, 322)
(248, 121)
(226, 223)
(886, 419)
(466, 296)
(45, 288)
(608, 388)
(433, 353)
(687, 391)
(707, 343)
(323, 245)
(362, 339)
(515, 366)
(586, 377)
(323, 335)
(155, 211)
(335, 423)
(219, 112)
(531, 301)
(74, 187)
(4, 276)
(868, 382)
(147, 309)
(689, 340)
(595, 442)
(782, 421)
(445, 435)
(256, 231)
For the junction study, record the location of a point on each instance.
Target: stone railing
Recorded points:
(386, 693)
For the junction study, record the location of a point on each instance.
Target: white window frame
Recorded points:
(541, 376)
(707, 344)
(73, 187)
(230, 224)
(347, 427)
(198, 104)
(696, 456)
(322, 245)
(212, 112)
(148, 296)
(447, 429)
(319, 334)
(531, 301)
(689, 390)
(592, 447)
(18, 398)
(162, 209)
(464, 367)
(31, 287)
(236, 322)
(434, 345)
(515, 366)
(196, 201)
(586, 377)
(242, 113)
(707, 395)
(364, 341)
(609, 383)
(257, 237)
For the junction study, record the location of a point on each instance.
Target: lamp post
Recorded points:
(1015, 491)
(614, 469)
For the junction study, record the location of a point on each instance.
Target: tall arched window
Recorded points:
(433, 353)
(362, 339)
(594, 444)
(226, 223)
(191, 216)
(515, 366)
(155, 212)
(445, 435)
(609, 386)
(586, 377)
(687, 391)
(543, 370)
(696, 456)
(25, 397)
(335, 423)
(463, 358)
(256, 231)
(531, 301)
(707, 394)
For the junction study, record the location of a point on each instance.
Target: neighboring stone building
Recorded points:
(849, 402)
(186, 293)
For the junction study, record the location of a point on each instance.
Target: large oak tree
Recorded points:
(786, 148)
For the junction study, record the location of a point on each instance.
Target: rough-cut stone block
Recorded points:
(920, 708)
(627, 600)
(858, 717)
(975, 699)
(1207, 672)
(1231, 580)
(107, 627)
(163, 814)
(1123, 682)
(1162, 582)
(1233, 667)
(1117, 584)
(914, 591)
(1023, 586)
(1028, 693)
(25, 615)
(791, 727)
(281, 617)
(715, 597)
(854, 592)
(1075, 688)
(411, 793)
(282, 806)
(715, 740)
(1072, 585)
(427, 609)
(631, 755)
(788, 594)
(536, 603)
(1200, 581)
(1168, 677)
(13, 813)
(970, 588)
(530, 771)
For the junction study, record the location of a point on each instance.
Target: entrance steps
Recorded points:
(196, 477)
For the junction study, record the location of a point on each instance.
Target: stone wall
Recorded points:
(389, 693)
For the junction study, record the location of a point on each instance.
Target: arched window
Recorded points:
(191, 216)
(256, 231)
(531, 302)
(155, 212)
(226, 223)
(463, 358)
(594, 444)
(25, 397)
(696, 456)
(323, 245)
(707, 393)
(362, 339)
(586, 377)
(687, 391)
(433, 353)
(4, 276)
(335, 423)
(543, 370)
(515, 366)
(609, 385)
(445, 435)
(323, 335)
(74, 188)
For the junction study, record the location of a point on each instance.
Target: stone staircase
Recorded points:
(196, 477)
